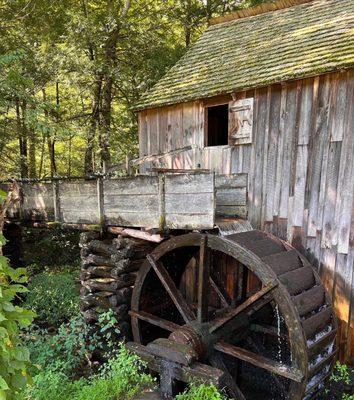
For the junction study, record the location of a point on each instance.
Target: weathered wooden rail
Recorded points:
(160, 200)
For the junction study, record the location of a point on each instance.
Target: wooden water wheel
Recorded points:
(246, 312)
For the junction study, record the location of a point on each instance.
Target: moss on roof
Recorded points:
(300, 41)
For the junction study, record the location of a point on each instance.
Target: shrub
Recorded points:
(14, 357)
(121, 379)
(201, 392)
(341, 374)
(54, 297)
(54, 247)
(65, 352)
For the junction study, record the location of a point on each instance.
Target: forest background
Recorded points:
(71, 72)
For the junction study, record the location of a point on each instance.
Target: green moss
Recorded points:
(300, 41)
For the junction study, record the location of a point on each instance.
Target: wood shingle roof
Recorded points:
(304, 40)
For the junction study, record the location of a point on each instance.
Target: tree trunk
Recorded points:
(50, 142)
(22, 138)
(89, 159)
(106, 115)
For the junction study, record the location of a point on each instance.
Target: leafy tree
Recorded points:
(14, 357)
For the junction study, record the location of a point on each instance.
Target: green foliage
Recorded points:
(341, 374)
(54, 247)
(348, 397)
(14, 357)
(53, 296)
(66, 351)
(120, 379)
(201, 392)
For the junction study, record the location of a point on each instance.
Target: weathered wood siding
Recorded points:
(299, 166)
(78, 202)
(132, 201)
(38, 201)
(189, 201)
(174, 201)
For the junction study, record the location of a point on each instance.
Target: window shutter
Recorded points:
(240, 121)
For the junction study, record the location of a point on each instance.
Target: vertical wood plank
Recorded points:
(56, 199)
(278, 179)
(318, 144)
(289, 132)
(273, 141)
(100, 202)
(345, 189)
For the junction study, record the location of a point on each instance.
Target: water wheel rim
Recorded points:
(254, 263)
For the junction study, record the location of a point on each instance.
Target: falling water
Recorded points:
(277, 314)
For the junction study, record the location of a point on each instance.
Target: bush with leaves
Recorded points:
(14, 357)
(54, 247)
(120, 379)
(65, 352)
(201, 392)
(54, 297)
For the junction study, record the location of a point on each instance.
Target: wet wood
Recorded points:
(203, 281)
(260, 361)
(157, 321)
(217, 324)
(172, 351)
(198, 371)
(174, 293)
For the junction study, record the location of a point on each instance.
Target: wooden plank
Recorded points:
(134, 219)
(261, 111)
(186, 183)
(281, 141)
(78, 188)
(230, 181)
(219, 322)
(260, 361)
(189, 203)
(231, 197)
(265, 158)
(339, 106)
(273, 144)
(317, 159)
(80, 217)
(152, 319)
(131, 203)
(330, 194)
(199, 372)
(174, 293)
(289, 133)
(350, 334)
(137, 185)
(203, 281)
(190, 221)
(231, 211)
(300, 185)
(345, 190)
(306, 111)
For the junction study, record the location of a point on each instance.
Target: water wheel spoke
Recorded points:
(203, 280)
(251, 301)
(275, 378)
(154, 320)
(224, 298)
(176, 296)
(233, 389)
(260, 361)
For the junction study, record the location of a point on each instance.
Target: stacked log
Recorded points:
(108, 272)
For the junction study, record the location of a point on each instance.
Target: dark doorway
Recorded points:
(217, 125)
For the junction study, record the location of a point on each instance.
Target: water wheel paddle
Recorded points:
(246, 310)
